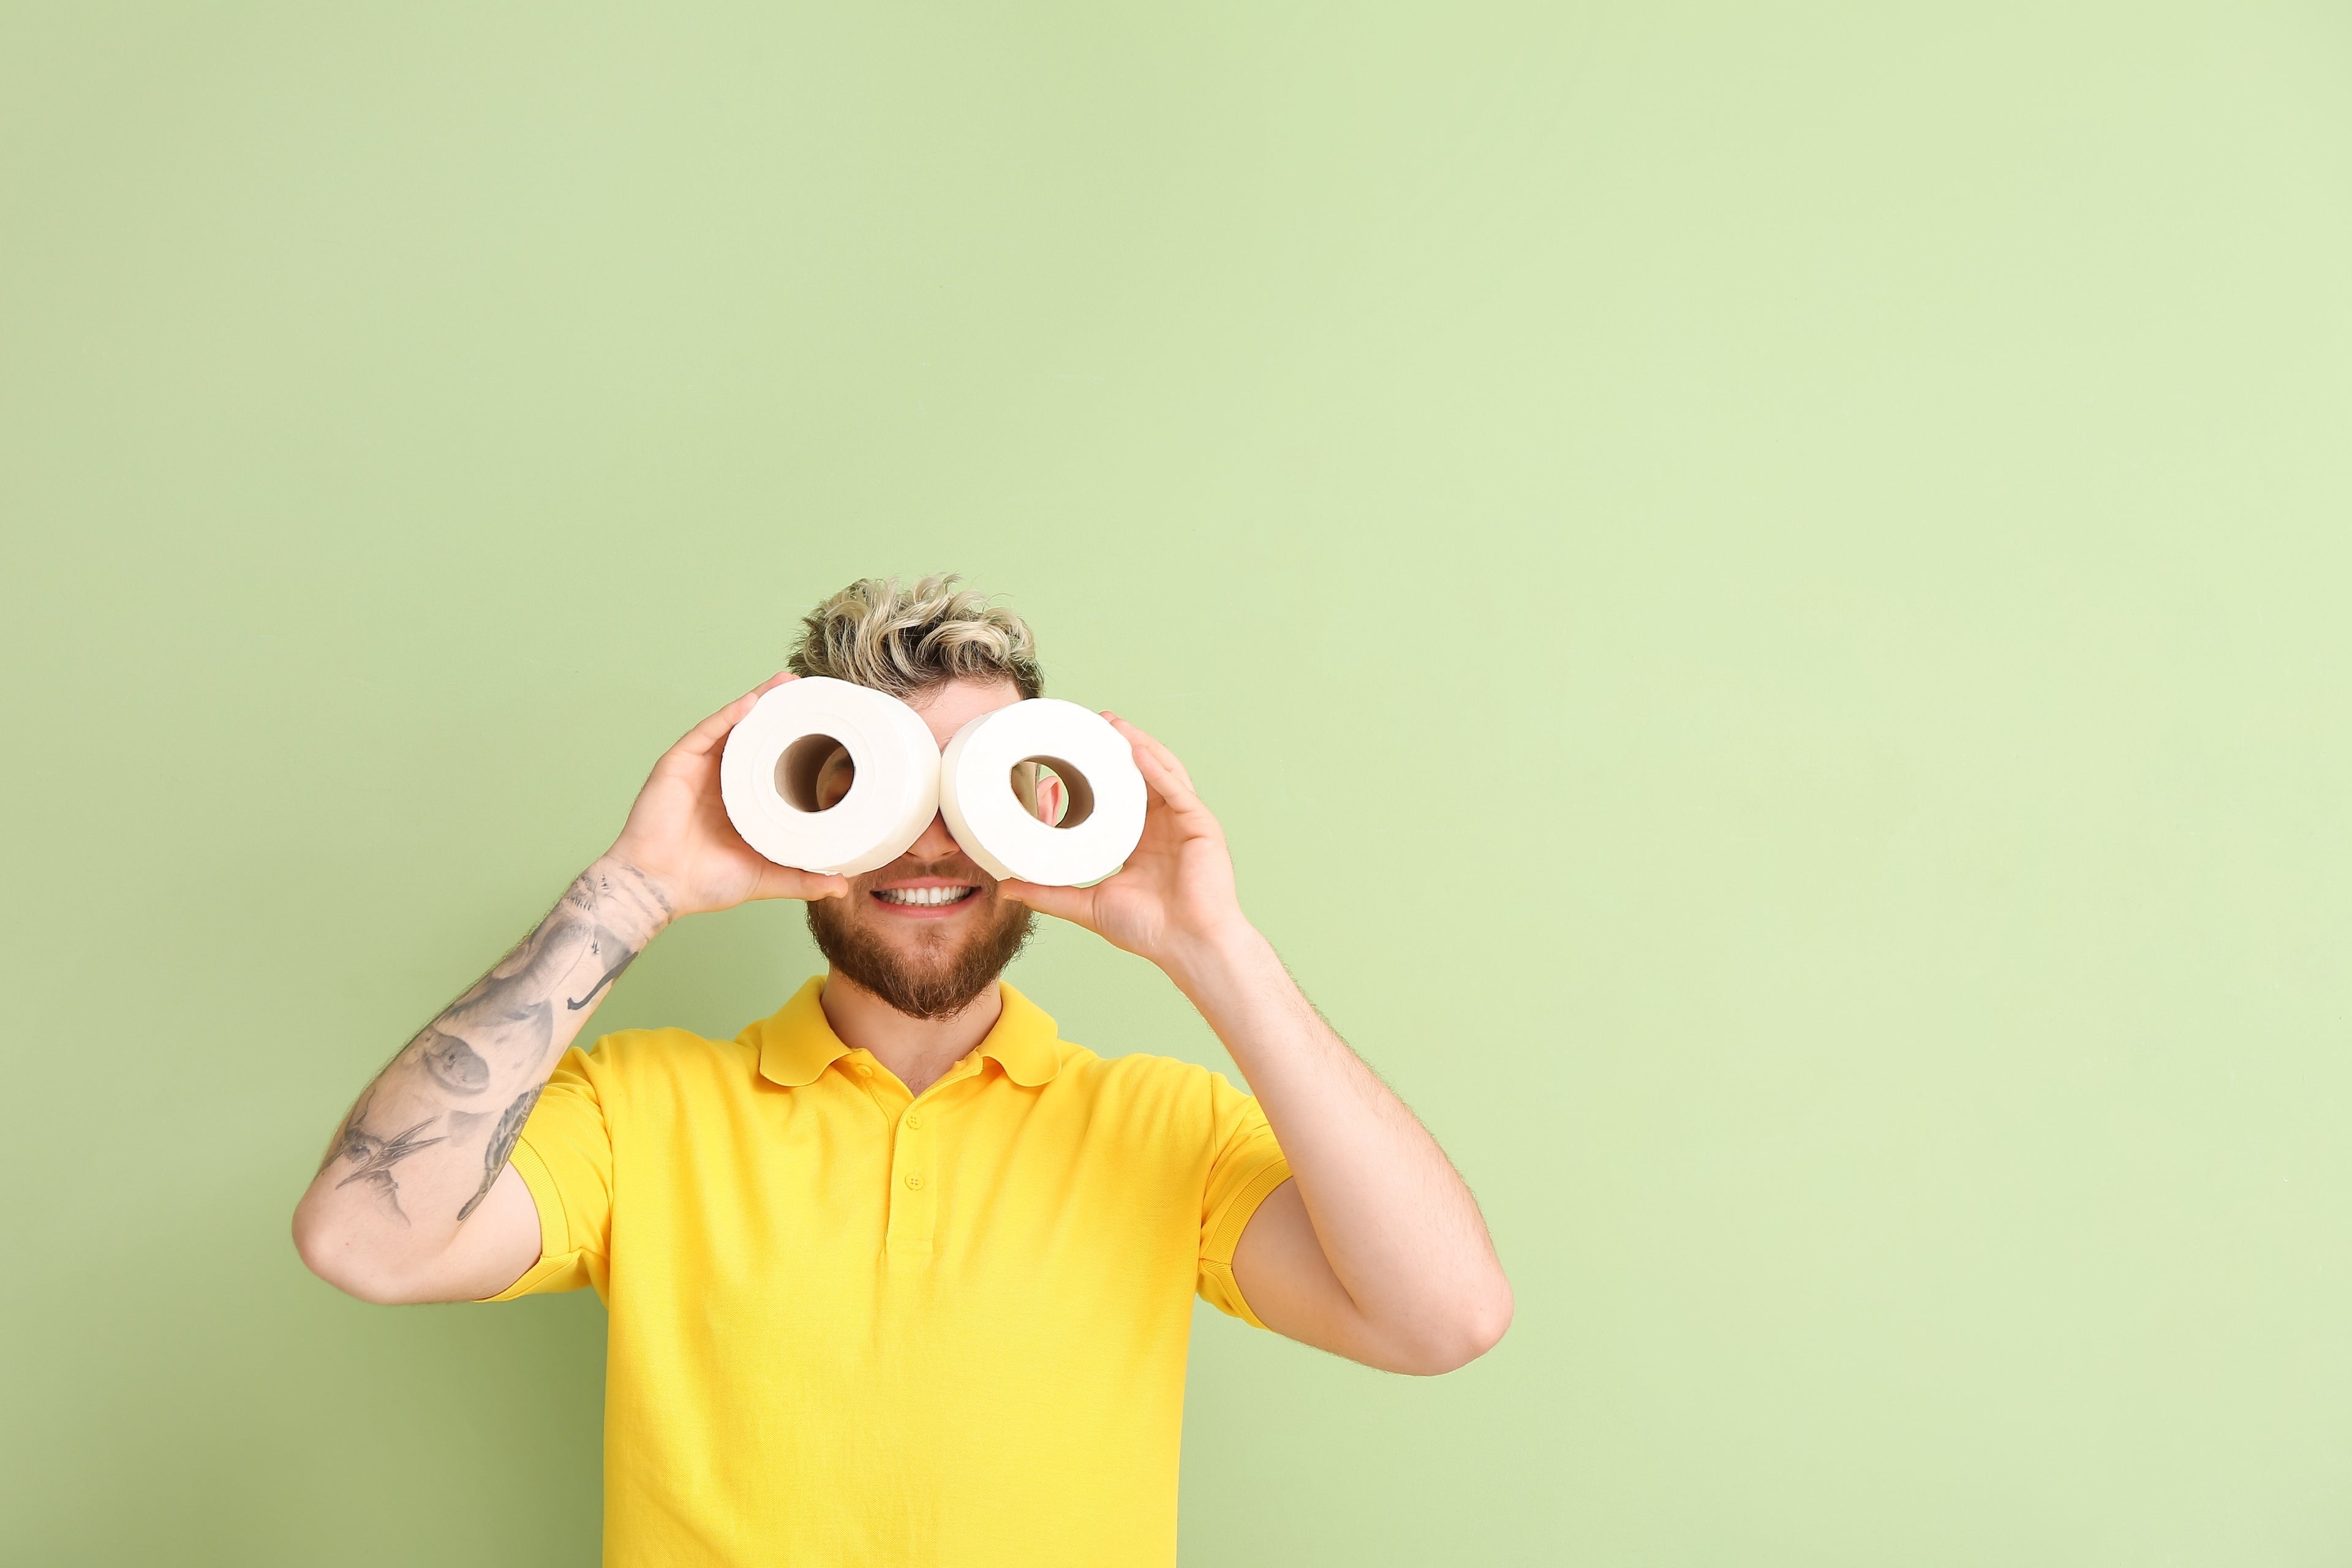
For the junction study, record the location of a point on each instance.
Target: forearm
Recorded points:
(425, 1142)
(1393, 1219)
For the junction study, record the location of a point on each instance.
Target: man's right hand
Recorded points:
(678, 835)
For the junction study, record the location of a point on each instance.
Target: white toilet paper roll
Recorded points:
(995, 826)
(768, 774)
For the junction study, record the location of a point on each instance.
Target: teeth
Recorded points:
(928, 898)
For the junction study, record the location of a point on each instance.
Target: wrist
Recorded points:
(635, 903)
(1203, 962)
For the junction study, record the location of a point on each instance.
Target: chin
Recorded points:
(930, 968)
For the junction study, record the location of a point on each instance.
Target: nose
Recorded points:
(937, 843)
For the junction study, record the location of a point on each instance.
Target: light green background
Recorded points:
(1762, 592)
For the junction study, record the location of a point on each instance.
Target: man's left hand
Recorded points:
(1174, 898)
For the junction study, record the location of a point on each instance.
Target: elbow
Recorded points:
(329, 1253)
(1475, 1326)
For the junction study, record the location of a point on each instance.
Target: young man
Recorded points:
(898, 1276)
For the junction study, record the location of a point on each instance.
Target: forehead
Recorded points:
(949, 707)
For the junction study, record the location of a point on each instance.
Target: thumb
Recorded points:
(1076, 905)
(784, 882)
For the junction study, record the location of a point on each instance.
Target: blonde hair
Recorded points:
(904, 640)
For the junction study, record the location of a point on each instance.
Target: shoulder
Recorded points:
(646, 1060)
(638, 1048)
(1161, 1086)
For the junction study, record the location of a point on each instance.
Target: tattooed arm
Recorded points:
(415, 1201)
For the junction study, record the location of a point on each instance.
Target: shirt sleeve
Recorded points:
(565, 1157)
(1247, 1165)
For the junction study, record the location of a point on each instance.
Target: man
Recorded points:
(898, 1276)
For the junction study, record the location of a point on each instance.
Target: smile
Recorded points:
(924, 898)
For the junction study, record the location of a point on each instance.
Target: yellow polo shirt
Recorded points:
(850, 1327)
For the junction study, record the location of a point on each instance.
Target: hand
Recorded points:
(677, 833)
(1174, 898)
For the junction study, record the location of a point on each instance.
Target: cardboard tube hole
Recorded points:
(1053, 791)
(815, 774)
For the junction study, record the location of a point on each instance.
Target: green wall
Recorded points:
(1762, 591)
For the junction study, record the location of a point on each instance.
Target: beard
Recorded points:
(940, 979)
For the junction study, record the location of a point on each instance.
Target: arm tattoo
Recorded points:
(509, 1014)
(604, 943)
(500, 1032)
(453, 1063)
(502, 1143)
(376, 1155)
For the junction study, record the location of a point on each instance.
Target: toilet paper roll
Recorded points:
(767, 776)
(996, 828)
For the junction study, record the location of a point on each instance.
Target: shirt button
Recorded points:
(915, 1120)
(865, 1071)
(915, 1183)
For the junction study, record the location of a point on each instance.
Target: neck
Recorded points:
(917, 1049)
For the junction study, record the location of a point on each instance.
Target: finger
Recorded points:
(1073, 904)
(713, 730)
(1164, 775)
(787, 882)
(1144, 743)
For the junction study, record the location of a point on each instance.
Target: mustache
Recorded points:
(956, 868)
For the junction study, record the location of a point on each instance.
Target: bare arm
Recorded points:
(415, 1201)
(1374, 1249)
(427, 1145)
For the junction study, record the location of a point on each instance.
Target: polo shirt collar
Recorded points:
(1025, 1042)
(798, 1043)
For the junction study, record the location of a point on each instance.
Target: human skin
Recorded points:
(1374, 1249)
